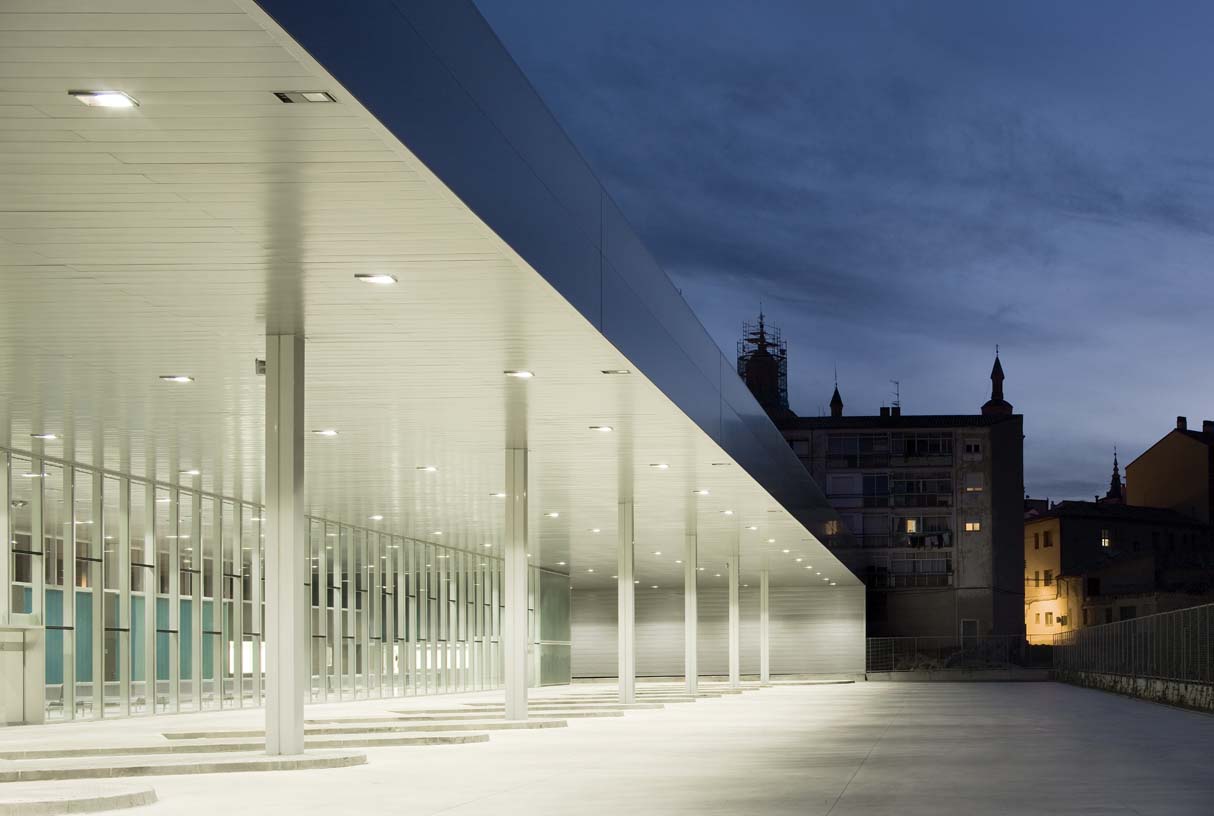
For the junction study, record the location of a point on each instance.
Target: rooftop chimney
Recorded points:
(884, 410)
(1207, 426)
(896, 411)
(1182, 423)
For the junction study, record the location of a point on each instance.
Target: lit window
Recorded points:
(912, 525)
(973, 526)
(1105, 539)
(1049, 618)
(832, 527)
(973, 483)
(1037, 618)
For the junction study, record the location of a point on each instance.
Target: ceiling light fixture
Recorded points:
(376, 517)
(678, 560)
(798, 560)
(176, 378)
(378, 279)
(191, 472)
(552, 515)
(602, 428)
(700, 492)
(519, 374)
(655, 586)
(786, 552)
(427, 468)
(304, 96)
(616, 371)
(560, 563)
(438, 532)
(771, 541)
(105, 99)
(752, 527)
(595, 530)
(657, 552)
(660, 466)
(726, 512)
(590, 569)
(325, 432)
(498, 495)
(44, 436)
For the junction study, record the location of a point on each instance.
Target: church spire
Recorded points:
(1115, 492)
(836, 402)
(997, 405)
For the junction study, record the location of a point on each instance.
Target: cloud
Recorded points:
(907, 185)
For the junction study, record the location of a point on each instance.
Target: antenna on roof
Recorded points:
(897, 393)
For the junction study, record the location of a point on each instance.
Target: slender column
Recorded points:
(123, 622)
(764, 628)
(735, 636)
(514, 629)
(691, 556)
(286, 599)
(68, 528)
(6, 539)
(151, 588)
(97, 586)
(197, 564)
(626, 598)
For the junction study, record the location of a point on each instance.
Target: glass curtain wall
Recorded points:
(151, 597)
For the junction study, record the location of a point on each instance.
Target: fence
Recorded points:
(904, 654)
(1170, 646)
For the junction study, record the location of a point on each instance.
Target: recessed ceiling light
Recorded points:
(595, 530)
(718, 575)
(699, 569)
(615, 576)
(520, 374)
(560, 563)
(304, 96)
(752, 527)
(331, 535)
(798, 560)
(191, 472)
(45, 436)
(655, 586)
(660, 466)
(105, 99)
(809, 566)
(825, 579)
(726, 512)
(487, 544)
(636, 582)
(700, 492)
(832, 583)
(678, 560)
(176, 378)
(616, 371)
(164, 500)
(657, 552)
(498, 495)
(379, 279)
(552, 515)
(427, 468)
(786, 551)
(376, 517)
(771, 541)
(438, 532)
(325, 432)
(602, 428)
(590, 569)
(721, 464)
(816, 573)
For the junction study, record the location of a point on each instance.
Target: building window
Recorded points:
(832, 527)
(1037, 618)
(1036, 577)
(1049, 618)
(800, 447)
(1036, 541)
(973, 526)
(973, 447)
(1105, 539)
(1127, 612)
(973, 483)
(1047, 538)
(1049, 577)
(912, 525)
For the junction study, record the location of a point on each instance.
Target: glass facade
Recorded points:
(151, 596)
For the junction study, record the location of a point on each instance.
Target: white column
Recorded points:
(764, 628)
(286, 593)
(626, 596)
(514, 579)
(691, 554)
(735, 628)
(6, 539)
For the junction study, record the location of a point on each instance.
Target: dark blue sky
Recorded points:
(906, 184)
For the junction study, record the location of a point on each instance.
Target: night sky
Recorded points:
(905, 185)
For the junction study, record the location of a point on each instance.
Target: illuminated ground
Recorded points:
(844, 750)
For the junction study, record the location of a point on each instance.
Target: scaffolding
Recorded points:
(763, 364)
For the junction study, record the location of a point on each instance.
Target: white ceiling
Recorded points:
(169, 238)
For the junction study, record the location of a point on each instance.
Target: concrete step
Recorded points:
(459, 715)
(42, 799)
(210, 746)
(177, 764)
(336, 728)
(535, 705)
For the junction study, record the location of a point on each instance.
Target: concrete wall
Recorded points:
(813, 631)
(1171, 692)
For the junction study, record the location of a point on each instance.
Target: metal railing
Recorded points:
(1168, 646)
(945, 653)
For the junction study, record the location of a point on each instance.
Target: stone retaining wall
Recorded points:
(1199, 696)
